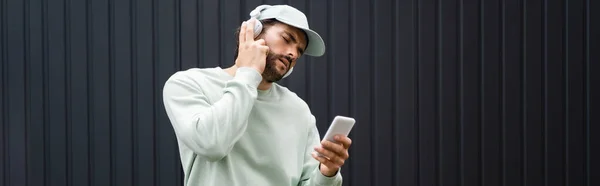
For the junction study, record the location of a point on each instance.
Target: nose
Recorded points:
(291, 57)
(292, 54)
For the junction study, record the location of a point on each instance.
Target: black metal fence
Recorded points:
(453, 92)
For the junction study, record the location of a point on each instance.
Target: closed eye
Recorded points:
(291, 39)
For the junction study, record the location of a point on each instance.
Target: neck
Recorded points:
(264, 85)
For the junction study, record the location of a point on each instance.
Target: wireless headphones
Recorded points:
(258, 28)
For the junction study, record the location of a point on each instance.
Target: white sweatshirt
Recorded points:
(230, 133)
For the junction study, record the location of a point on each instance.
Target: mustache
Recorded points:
(273, 56)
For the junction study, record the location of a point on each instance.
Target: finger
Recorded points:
(250, 30)
(321, 159)
(338, 161)
(264, 49)
(331, 157)
(344, 140)
(336, 158)
(327, 153)
(261, 42)
(242, 36)
(324, 161)
(334, 147)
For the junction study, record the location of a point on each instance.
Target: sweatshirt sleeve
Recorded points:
(210, 130)
(311, 174)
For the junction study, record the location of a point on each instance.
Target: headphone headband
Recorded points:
(256, 12)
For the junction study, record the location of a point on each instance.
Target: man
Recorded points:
(237, 126)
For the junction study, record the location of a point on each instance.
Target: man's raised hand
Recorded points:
(251, 53)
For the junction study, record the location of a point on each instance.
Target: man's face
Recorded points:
(286, 44)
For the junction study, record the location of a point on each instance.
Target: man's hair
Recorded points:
(266, 24)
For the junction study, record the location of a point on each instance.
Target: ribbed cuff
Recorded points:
(248, 75)
(321, 179)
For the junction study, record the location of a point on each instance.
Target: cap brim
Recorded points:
(316, 45)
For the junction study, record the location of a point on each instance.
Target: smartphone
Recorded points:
(341, 125)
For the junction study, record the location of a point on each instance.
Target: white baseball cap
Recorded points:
(293, 17)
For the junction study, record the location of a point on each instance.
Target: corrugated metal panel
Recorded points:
(469, 92)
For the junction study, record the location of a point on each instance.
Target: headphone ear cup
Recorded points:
(257, 28)
(288, 73)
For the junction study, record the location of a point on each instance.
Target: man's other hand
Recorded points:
(334, 154)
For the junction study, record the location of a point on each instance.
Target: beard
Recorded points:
(271, 73)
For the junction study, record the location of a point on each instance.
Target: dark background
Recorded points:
(452, 92)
